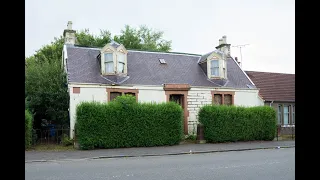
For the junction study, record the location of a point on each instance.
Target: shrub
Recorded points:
(191, 137)
(231, 123)
(126, 123)
(28, 129)
(66, 141)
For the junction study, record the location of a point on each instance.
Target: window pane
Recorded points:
(215, 72)
(108, 57)
(120, 67)
(109, 67)
(121, 58)
(279, 118)
(217, 99)
(113, 95)
(228, 99)
(214, 63)
(214, 67)
(285, 115)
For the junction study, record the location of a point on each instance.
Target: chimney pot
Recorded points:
(69, 25)
(224, 38)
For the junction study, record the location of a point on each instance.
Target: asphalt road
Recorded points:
(256, 164)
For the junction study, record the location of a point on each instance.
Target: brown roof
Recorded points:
(274, 86)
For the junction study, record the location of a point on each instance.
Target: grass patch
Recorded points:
(51, 147)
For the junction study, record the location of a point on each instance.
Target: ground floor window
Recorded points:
(222, 98)
(286, 114)
(115, 92)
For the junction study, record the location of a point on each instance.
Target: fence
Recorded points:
(49, 136)
(284, 133)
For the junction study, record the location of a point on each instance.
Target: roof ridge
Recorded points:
(270, 72)
(172, 52)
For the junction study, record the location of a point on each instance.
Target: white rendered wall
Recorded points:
(197, 97)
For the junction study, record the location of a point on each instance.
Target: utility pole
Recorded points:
(241, 46)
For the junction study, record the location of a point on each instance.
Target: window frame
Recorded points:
(122, 91)
(280, 121)
(121, 62)
(293, 120)
(108, 61)
(214, 67)
(291, 114)
(222, 93)
(286, 114)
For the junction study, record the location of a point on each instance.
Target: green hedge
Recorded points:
(28, 129)
(231, 123)
(126, 123)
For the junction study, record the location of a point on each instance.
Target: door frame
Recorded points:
(179, 89)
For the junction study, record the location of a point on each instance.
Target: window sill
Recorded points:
(288, 125)
(216, 77)
(118, 74)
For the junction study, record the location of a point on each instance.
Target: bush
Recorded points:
(126, 123)
(231, 123)
(28, 129)
(66, 141)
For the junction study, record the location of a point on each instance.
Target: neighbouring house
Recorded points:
(278, 91)
(192, 80)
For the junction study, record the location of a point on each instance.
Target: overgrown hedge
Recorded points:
(28, 129)
(126, 123)
(231, 123)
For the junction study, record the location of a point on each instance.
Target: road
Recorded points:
(237, 165)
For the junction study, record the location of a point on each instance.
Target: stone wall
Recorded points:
(196, 99)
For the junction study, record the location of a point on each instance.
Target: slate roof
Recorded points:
(144, 68)
(274, 86)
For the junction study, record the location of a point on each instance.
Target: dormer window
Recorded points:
(215, 68)
(108, 59)
(121, 63)
(113, 58)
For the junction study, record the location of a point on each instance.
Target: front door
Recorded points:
(178, 98)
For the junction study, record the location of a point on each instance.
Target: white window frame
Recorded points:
(121, 62)
(106, 61)
(214, 67)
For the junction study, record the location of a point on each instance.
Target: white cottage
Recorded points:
(192, 80)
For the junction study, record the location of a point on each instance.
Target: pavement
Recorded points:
(47, 156)
(262, 164)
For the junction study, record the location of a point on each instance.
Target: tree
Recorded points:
(143, 38)
(46, 85)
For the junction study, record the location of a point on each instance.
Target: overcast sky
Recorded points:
(194, 26)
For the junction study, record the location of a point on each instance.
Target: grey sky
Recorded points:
(194, 26)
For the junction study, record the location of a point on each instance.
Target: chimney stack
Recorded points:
(223, 46)
(69, 34)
